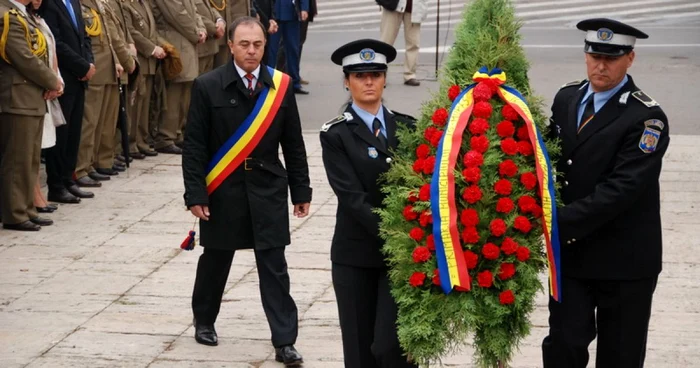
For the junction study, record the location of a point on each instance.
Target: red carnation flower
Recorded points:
(507, 271)
(505, 205)
(417, 279)
(482, 92)
(421, 254)
(529, 180)
(526, 202)
(429, 165)
(440, 116)
(490, 251)
(509, 113)
(480, 143)
(470, 235)
(507, 168)
(536, 211)
(418, 165)
(435, 139)
(423, 151)
(471, 259)
(505, 129)
(472, 194)
(424, 194)
(525, 148)
(523, 224)
(509, 246)
(412, 197)
(509, 146)
(469, 217)
(478, 126)
(485, 279)
(523, 134)
(453, 92)
(498, 227)
(506, 297)
(430, 242)
(409, 214)
(436, 277)
(425, 218)
(416, 234)
(429, 132)
(472, 174)
(503, 187)
(523, 254)
(482, 109)
(473, 159)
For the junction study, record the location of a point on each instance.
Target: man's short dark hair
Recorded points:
(244, 20)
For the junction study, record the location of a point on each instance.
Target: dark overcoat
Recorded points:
(354, 161)
(610, 226)
(250, 208)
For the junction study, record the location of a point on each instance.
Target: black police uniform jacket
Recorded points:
(353, 171)
(250, 208)
(610, 225)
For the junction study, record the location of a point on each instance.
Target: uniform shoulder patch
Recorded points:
(645, 99)
(573, 83)
(338, 119)
(649, 140)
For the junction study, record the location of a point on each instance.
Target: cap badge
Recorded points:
(605, 34)
(367, 55)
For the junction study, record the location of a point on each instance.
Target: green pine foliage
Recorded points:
(432, 324)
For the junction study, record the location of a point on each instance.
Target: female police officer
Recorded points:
(356, 151)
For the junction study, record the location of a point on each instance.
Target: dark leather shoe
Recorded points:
(121, 158)
(300, 91)
(137, 155)
(412, 82)
(62, 196)
(205, 334)
(23, 226)
(171, 149)
(149, 153)
(87, 182)
(180, 145)
(74, 190)
(41, 221)
(289, 356)
(119, 168)
(109, 171)
(52, 207)
(94, 175)
(46, 209)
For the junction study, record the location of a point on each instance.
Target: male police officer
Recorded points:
(613, 139)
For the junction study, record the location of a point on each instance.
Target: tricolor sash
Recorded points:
(244, 140)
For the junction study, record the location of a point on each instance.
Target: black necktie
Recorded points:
(588, 113)
(377, 130)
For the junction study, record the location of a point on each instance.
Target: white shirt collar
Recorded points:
(20, 7)
(242, 73)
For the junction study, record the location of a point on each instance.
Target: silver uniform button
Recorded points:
(566, 183)
(568, 242)
(569, 162)
(388, 160)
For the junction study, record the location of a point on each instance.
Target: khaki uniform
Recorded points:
(24, 76)
(209, 49)
(230, 10)
(178, 22)
(142, 27)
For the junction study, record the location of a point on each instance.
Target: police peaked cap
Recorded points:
(366, 55)
(609, 37)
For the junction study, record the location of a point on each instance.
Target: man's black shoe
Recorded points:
(62, 196)
(300, 91)
(205, 334)
(41, 221)
(108, 171)
(289, 356)
(88, 182)
(23, 226)
(94, 175)
(171, 149)
(119, 168)
(149, 153)
(74, 190)
(137, 155)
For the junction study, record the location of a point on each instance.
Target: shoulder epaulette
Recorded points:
(403, 117)
(573, 83)
(338, 119)
(645, 99)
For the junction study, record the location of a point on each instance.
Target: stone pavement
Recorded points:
(107, 286)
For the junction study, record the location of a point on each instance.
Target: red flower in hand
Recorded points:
(507, 168)
(505, 129)
(498, 227)
(505, 205)
(435, 139)
(478, 126)
(473, 159)
(507, 297)
(436, 277)
(423, 151)
(412, 197)
(509, 146)
(429, 132)
(503, 187)
(472, 194)
(529, 180)
(416, 234)
(525, 148)
(424, 194)
(429, 165)
(472, 174)
(482, 109)
(425, 218)
(417, 279)
(509, 246)
(409, 214)
(421, 254)
(509, 113)
(507, 271)
(469, 217)
(482, 92)
(522, 224)
(453, 92)
(523, 134)
(430, 242)
(523, 254)
(470, 235)
(440, 116)
(480, 143)
(485, 279)
(471, 259)
(490, 251)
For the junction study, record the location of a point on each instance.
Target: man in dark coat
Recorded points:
(249, 207)
(613, 139)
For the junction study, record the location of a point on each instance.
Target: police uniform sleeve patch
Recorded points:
(645, 99)
(655, 123)
(338, 119)
(649, 140)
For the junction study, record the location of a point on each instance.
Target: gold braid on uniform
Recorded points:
(36, 42)
(219, 8)
(94, 29)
